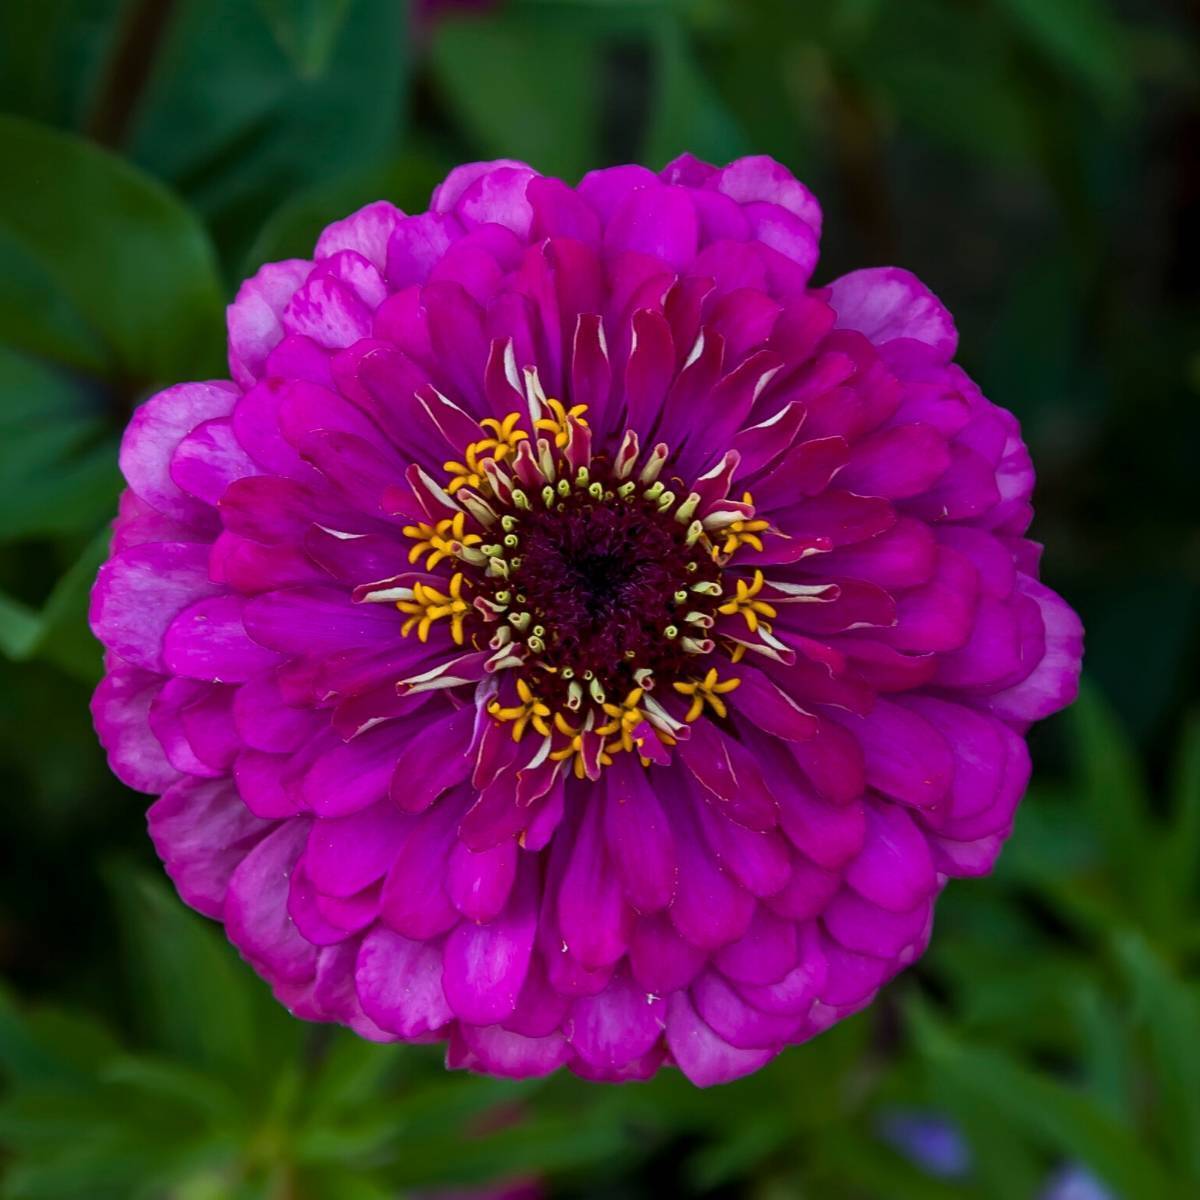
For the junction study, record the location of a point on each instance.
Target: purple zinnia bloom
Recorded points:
(572, 636)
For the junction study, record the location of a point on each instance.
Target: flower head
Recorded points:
(572, 635)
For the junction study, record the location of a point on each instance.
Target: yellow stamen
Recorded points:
(574, 749)
(439, 540)
(502, 443)
(429, 605)
(531, 711)
(746, 604)
(708, 690)
(626, 717)
(741, 532)
(559, 423)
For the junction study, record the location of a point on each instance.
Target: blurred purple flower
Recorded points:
(929, 1141)
(1075, 1182)
(936, 1144)
(573, 636)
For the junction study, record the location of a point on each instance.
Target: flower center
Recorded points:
(598, 589)
(607, 582)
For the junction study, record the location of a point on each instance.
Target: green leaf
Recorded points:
(129, 259)
(525, 85)
(1171, 1016)
(193, 996)
(1182, 853)
(1112, 786)
(687, 113)
(1043, 1110)
(58, 459)
(306, 30)
(236, 121)
(293, 228)
(1081, 37)
(59, 632)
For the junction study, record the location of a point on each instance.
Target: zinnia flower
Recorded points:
(572, 636)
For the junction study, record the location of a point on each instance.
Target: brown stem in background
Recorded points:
(128, 70)
(858, 162)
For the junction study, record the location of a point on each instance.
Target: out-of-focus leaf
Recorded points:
(132, 262)
(175, 1083)
(237, 124)
(193, 995)
(306, 30)
(1171, 1017)
(943, 68)
(1107, 1054)
(37, 316)
(1045, 1111)
(1181, 867)
(292, 230)
(525, 85)
(58, 460)
(687, 113)
(58, 632)
(1081, 36)
(1113, 789)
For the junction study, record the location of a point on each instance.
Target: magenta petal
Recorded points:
(202, 831)
(795, 993)
(346, 854)
(209, 641)
(399, 983)
(208, 460)
(757, 178)
(354, 774)
(616, 1026)
(414, 900)
(764, 954)
(1054, 682)
(256, 916)
(498, 1051)
(254, 317)
(862, 927)
(655, 220)
(709, 909)
(154, 434)
(427, 765)
(366, 231)
(140, 591)
(894, 869)
(887, 303)
(661, 960)
(700, 1054)
(485, 964)
(638, 837)
(592, 913)
(120, 709)
(720, 1005)
(906, 757)
(480, 881)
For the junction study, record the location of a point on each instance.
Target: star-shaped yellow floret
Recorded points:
(531, 711)
(744, 602)
(502, 443)
(429, 605)
(708, 690)
(625, 718)
(441, 540)
(573, 750)
(558, 424)
(742, 532)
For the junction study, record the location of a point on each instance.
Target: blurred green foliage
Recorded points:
(1036, 161)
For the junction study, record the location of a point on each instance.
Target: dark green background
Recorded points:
(1037, 162)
